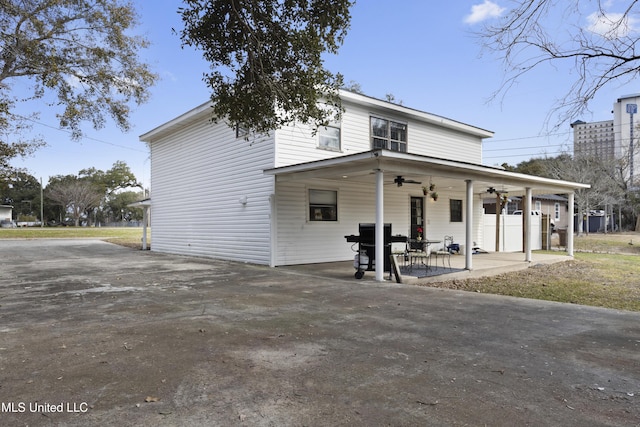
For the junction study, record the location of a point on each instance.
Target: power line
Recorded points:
(523, 148)
(530, 137)
(556, 153)
(82, 137)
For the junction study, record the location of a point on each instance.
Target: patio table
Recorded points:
(420, 255)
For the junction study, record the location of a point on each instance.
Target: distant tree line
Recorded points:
(92, 197)
(610, 190)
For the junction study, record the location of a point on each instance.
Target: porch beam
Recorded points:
(468, 237)
(571, 197)
(527, 225)
(379, 225)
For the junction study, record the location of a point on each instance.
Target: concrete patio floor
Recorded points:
(484, 264)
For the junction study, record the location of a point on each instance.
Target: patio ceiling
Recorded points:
(447, 174)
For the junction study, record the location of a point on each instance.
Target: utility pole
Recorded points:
(41, 204)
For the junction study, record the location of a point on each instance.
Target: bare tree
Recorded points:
(75, 195)
(600, 43)
(603, 176)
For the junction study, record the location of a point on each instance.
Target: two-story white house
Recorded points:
(292, 197)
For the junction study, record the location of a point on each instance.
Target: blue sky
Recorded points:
(424, 53)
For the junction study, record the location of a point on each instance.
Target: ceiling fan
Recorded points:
(399, 180)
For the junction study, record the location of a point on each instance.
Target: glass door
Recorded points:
(417, 231)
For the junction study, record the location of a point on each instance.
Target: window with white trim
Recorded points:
(329, 137)
(455, 210)
(556, 208)
(323, 205)
(388, 134)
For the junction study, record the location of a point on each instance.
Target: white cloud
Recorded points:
(611, 25)
(484, 11)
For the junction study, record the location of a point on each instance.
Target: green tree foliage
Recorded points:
(118, 177)
(95, 195)
(80, 51)
(598, 39)
(110, 183)
(266, 58)
(117, 210)
(22, 191)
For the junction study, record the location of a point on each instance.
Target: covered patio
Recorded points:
(485, 264)
(473, 180)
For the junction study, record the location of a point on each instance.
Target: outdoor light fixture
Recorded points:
(243, 200)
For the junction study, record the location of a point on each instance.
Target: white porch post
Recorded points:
(468, 238)
(145, 221)
(379, 225)
(527, 226)
(570, 224)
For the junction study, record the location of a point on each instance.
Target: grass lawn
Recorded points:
(125, 236)
(605, 272)
(601, 280)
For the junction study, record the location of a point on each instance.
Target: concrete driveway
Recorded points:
(96, 334)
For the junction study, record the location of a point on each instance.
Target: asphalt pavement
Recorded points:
(96, 334)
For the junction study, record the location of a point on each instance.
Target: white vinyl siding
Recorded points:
(200, 174)
(301, 241)
(296, 144)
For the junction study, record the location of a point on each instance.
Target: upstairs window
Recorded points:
(388, 134)
(242, 132)
(329, 137)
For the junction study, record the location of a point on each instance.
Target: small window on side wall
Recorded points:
(323, 205)
(242, 132)
(329, 137)
(455, 209)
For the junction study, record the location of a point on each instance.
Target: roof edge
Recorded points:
(179, 121)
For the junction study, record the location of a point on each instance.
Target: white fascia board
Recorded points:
(177, 123)
(322, 164)
(485, 171)
(394, 162)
